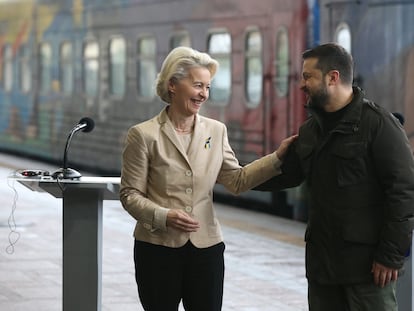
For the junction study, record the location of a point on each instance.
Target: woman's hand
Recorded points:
(284, 145)
(180, 220)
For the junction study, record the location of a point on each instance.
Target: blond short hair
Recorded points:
(177, 65)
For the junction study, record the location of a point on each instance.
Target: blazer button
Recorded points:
(189, 191)
(147, 226)
(188, 173)
(188, 209)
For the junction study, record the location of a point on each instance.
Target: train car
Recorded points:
(379, 34)
(62, 60)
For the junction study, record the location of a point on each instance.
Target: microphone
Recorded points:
(85, 125)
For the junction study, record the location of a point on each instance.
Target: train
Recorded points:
(63, 60)
(379, 36)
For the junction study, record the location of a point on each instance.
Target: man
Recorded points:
(359, 172)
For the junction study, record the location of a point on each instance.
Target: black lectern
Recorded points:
(82, 234)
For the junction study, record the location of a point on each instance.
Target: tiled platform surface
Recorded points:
(264, 254)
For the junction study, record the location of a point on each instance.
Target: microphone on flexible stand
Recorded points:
(86, 125)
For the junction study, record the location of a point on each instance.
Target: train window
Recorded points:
(45, 67)
(117, 66)
(7, 68)
(90, 68)
(253, 68)
(146, 66)
(343, 36)
(24, 70)
(282, 62)
(180, 39)
(66, 68)
(219, 47)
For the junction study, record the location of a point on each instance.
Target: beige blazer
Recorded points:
(158, 175)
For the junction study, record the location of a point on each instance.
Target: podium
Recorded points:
(82, 234)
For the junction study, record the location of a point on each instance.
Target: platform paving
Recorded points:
(264, 254)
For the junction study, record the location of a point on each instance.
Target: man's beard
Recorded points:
(318, 98)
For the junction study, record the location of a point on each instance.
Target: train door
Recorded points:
(282, 107)
(277, 107)
(46, 90)
(67, 95)
(6, 84)
(52, 84)
(287, 104)
(254, 121)
(15, 96)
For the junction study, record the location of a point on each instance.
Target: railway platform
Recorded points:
(264, 254)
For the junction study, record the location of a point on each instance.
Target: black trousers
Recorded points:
(165, 276)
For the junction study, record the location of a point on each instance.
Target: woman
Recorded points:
(170, 166)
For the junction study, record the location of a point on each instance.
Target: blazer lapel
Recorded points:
(200, 142)
(195, 145)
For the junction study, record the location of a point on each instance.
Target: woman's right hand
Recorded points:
(284, 145)
(180, 220)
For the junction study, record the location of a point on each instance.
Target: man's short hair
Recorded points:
(332, 56)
